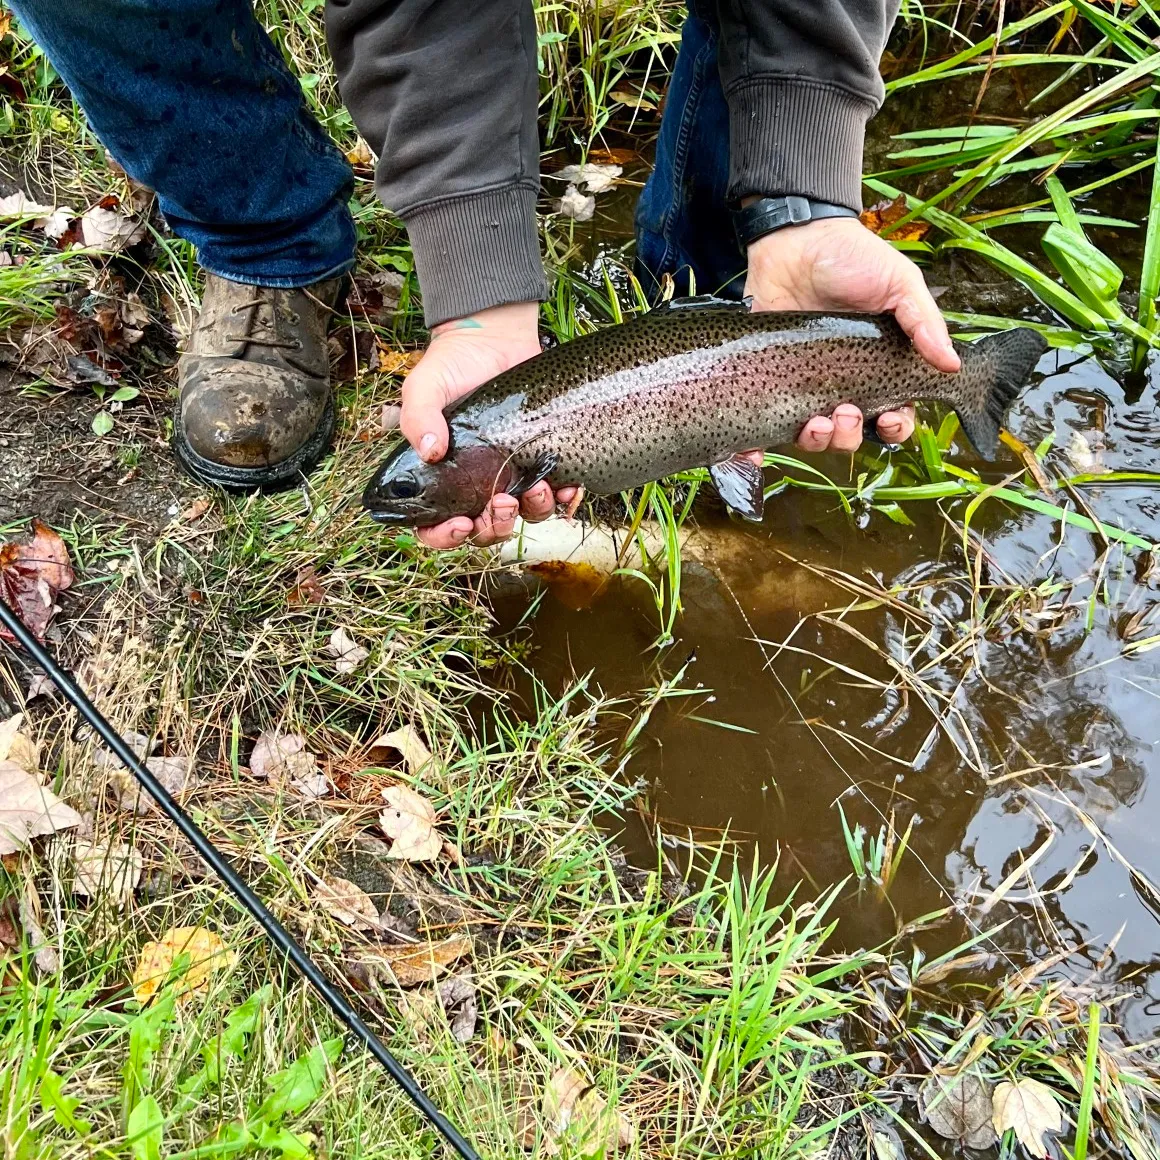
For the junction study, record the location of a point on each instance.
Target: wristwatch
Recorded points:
(774, 213)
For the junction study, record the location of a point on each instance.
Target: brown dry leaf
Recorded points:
(349, 654)
(196, 510)
(613, 156)
(409, 821)
(1030, 1108)
(360, 155)
(422, 963)
(884, 214)
(28, 809)
(576, 205)
(106, 229)
(16, 747)
(575, 1110)
(207, 953)
(345, 901)
(31, 576)
(111, 870)
(959, 1108)
(307, 589)
(398, 362)
(460, 1003)
(283, 758)
(43, 955)
(40, 686)
(406, 739)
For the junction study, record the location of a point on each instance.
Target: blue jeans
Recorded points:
(683, 225)
(193, 100)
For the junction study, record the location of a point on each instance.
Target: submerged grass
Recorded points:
(703, 1007)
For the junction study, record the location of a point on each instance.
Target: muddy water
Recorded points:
(1042, 739)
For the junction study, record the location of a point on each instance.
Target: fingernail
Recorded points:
(427, 444)
(848, 422)
(458, 534)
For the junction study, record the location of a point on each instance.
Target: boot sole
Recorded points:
(277, 477)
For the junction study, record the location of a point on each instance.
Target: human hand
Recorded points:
(838, 264)
(462, 355)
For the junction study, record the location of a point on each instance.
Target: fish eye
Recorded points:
(405, 488)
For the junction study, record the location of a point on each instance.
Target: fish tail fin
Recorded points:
(1003, 363)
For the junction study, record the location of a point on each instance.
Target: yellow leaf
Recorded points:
(1030, 1108)
(207, 953)
(409, 820)
(16, 747)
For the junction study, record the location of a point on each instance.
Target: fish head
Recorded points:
(409, 492)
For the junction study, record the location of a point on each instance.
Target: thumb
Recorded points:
(424, 397)
(919, 316)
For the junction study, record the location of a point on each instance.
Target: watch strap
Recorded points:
(774, 213)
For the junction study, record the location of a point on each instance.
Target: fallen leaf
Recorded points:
(576, 205)
(345, 901)
(349, 654)
(16, 747)
(282, 758)
(887, 1145)
(310, 785)
(422, 963)
(398, 362)
(207, 953)
(43, 955)
(460, 1003)
(196, 510)
(1030, 1108)
(591, 178)
(28, 809)
(575, 1110)
(959, 1108)
(56, 224)
(884, 214)
(613, 156)
(40, 686)
(111, 870)
(18, 205)
(633, 100)
(360, 155)
(416, 755)
(307, 588)
(409, 821)
(106, 229)
(31, 576)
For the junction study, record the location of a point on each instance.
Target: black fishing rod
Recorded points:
(218, 863)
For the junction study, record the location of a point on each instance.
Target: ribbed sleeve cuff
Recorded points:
(796, 137)
(477, 251)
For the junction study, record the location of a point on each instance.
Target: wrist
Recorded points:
(511, 320)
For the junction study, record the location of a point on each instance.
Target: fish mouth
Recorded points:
(400, 516)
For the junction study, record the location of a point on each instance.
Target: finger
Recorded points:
(566, 494)
(847, 428)
(537, 503)
(816, 434)
(919, 316)
(449, 534)
(896, 426)
(421, 418)
(497, 521)
(757, 458)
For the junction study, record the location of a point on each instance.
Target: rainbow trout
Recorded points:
(689, 385)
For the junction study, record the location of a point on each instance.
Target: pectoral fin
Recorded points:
(741, 485)
(540, 468)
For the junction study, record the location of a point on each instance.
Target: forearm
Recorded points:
(801, 78)
(446, 94)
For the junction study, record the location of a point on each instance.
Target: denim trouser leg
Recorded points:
(193, 99)
(683, 225)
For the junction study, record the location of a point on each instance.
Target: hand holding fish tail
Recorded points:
(838, 264)
(463, 354)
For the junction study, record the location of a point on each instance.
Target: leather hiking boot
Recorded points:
(255, 410)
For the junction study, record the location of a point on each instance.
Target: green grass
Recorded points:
(718, 1021)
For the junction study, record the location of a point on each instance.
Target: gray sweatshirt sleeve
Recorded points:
(446, 94)
(801, 79)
